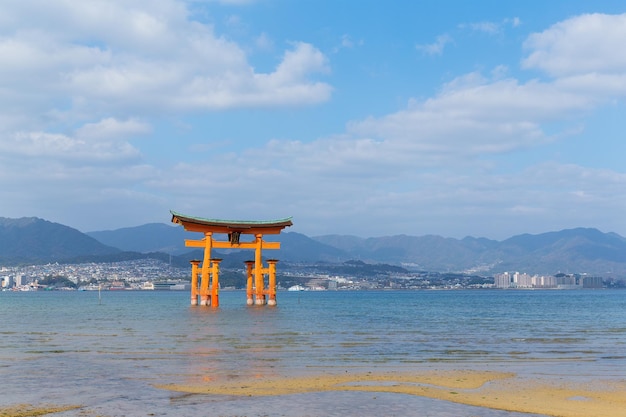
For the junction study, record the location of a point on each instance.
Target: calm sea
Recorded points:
(107, 353)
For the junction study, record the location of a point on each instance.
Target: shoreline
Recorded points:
(488, 389)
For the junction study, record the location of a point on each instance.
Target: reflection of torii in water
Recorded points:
(210, 266)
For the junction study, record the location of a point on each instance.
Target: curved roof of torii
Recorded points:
(200, 224)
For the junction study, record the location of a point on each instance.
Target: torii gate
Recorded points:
(209, 294)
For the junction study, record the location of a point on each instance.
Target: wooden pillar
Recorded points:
(194, 281)
(249, 299)
(204, 287)
(258, 271)
(272, 282)
(215, 282)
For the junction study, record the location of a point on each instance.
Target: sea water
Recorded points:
(107, 351)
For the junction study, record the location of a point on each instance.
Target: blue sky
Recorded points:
(368, 118)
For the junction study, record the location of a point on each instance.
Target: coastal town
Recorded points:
(153, 274)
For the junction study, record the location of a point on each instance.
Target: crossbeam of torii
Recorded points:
(208, 291)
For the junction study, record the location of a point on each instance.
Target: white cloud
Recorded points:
(435, 48)
(297, 63)
(264, 42)
(499, 72)
(347, 42)
(491, 28)
(286, 85)
(585, 44)
(79, 81)
(112, 128)
(79, 148)
(380, 196)
(109, 57)
(475, 116)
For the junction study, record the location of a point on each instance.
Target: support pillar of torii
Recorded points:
(208, 269)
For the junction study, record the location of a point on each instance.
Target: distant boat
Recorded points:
(171, 285)
(296, 288)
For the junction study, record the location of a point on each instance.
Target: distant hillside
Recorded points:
(428, 252)
(159, 237)
(33, 240)
(151, 237)
(572, 250)
(580, 250)
(296, 247)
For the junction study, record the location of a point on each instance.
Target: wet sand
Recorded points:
(425, 392)
(493, 390)
(27, 410)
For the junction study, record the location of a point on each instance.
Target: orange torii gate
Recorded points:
(208, 292)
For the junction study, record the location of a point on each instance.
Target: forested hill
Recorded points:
(30, 239)
(579, 250)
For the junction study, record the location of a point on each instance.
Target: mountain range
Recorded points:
(580, 250)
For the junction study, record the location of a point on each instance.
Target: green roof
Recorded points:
(230, 223)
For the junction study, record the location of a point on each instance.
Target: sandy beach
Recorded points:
(494, 390)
